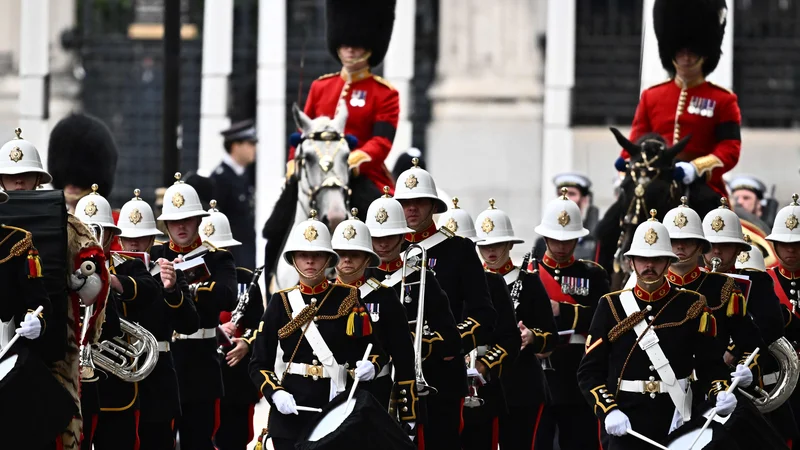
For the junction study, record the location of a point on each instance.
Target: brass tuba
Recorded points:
(130, 357)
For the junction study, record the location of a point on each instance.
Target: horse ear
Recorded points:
(632, 148)
(340, 119)
(301, 119)
(673, 151)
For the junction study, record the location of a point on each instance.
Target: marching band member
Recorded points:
(524, 381)
(460, 273)
(574, 288)
(723, 229)
(117, 410)
(237, 407)
(579, 190)
(170, 311)
(689, 34)
(195, 355)
(736, 330)
(322, 331)
(441, 340)
(634, 331)
(352, 241)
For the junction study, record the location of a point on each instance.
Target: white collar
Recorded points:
(237, 169)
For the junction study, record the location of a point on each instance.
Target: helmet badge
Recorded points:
(15, 154)
(411, 182)
(382, 216)
(451, 225)
(135, 216)
(717, 224)
(680, 220)
(791, 222)
(651, 237)
(743, 257)
(563, 218)
(487, 226)
(90, 209)
(349, 232)
(209, 229)
(178, 200)
(310, 234)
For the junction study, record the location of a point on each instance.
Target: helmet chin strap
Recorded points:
(361, 268)
(316, 275)
(502, 258)
(660, 278)
(691, 257)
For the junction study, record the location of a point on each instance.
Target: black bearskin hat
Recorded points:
(360, 23)
(697, 25)
(82, 152)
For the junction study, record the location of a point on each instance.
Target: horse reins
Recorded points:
(326, 162)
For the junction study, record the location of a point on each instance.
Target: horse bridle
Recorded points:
(325, 156)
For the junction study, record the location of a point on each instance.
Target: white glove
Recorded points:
(617, 423)
(689, 172)
(31, 327)
(365, 370)
(726, 403)
(744, 374)
(284, 401)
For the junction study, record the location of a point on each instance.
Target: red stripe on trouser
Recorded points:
(789, 443)
(137, 443)
(461, 416)
(495, 432)
(250, 431)
(94, 427)
(536, 425)
(599, 435)
(172, 427)
(420, 437)
(59, 443)
(216, 419)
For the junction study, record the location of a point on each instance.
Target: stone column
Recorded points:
(485, 137)
(34, 68)
(398, 68)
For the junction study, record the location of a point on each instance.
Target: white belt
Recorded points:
(647, 386)
(770, 378)
(577, 339)
(315, 372)
(163, 346)
(202, 333)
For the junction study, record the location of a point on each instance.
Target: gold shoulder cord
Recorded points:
(20, 247)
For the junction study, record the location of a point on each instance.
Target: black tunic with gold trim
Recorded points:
(332, 311)
(685, 329)
(196, 360)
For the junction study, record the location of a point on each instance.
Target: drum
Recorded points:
(36, 407)
(745, 428)
(365, 425)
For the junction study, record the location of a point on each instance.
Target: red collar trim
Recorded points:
(183, 250)
(391, 266)
(788, 274)
(553, 264)
(507, 267)
(421, 235)
(357, 283)
(658, 294)
(318, 289)
(684, 280)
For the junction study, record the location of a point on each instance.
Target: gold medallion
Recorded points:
(451, 225)
(639, 191)
(135, 216)
(791, 222)
(349, 232)
(563, 218)
(16, 154)
(487, 226)
(680, 220)
(90, 209)
(382, 216)
(651, 237)
(178, 200)
(310, 234)
(717, 224)
(411, 182)
(209, 229)
(743, 257)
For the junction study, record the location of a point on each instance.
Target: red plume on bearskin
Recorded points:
(360, 23)
(96, 256)
(697, 25)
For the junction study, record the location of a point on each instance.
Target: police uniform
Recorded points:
(237, 407)
(707, 112)
(234, 191)
(195, 355)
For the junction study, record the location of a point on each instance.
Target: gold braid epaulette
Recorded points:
(308, 313)
(626, 325)
(21, 247)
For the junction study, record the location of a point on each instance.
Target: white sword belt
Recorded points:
(651, 387)
(316, 372)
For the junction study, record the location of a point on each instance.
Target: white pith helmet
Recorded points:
(786, 227)
(651, 240)
(562, 220)
(353, 234)
(683, 222)
(493, 226)
(181, 202)
(722, 226)
(136, 218)
(385, 217)
(418, 183)
(216, 228)
(93, 209)
(752, 259)
(21, 156)
(458, 221)
(310, 236)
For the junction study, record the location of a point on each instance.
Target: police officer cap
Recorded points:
(750, 183)
(241, 131)
(575, 180)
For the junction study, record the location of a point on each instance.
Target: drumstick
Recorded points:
(730, 389)
(16, 336)
(308, 408)
(355, 383)
(646, 439)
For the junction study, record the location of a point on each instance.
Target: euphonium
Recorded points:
(131, 357)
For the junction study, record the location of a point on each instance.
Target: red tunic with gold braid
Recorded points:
(708, 112)
(373, 107)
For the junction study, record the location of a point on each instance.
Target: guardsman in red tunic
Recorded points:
(689, 36)
(359, 38)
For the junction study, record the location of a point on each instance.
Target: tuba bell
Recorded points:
(130, 357)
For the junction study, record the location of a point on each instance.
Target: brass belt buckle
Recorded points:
(314, 371)
(652, 387)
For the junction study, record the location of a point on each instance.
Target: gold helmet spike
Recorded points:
(18, 132)
(684, 201)
(312, 214)
(491, 203)
(136, 194)
(794, 200)
(354, 213)
(724, 203)
(178, 178)
(415, 162)
(213, 205)
(653, 214)
(564, 191)
(455, 202)
(386, 192)
(95, 187)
